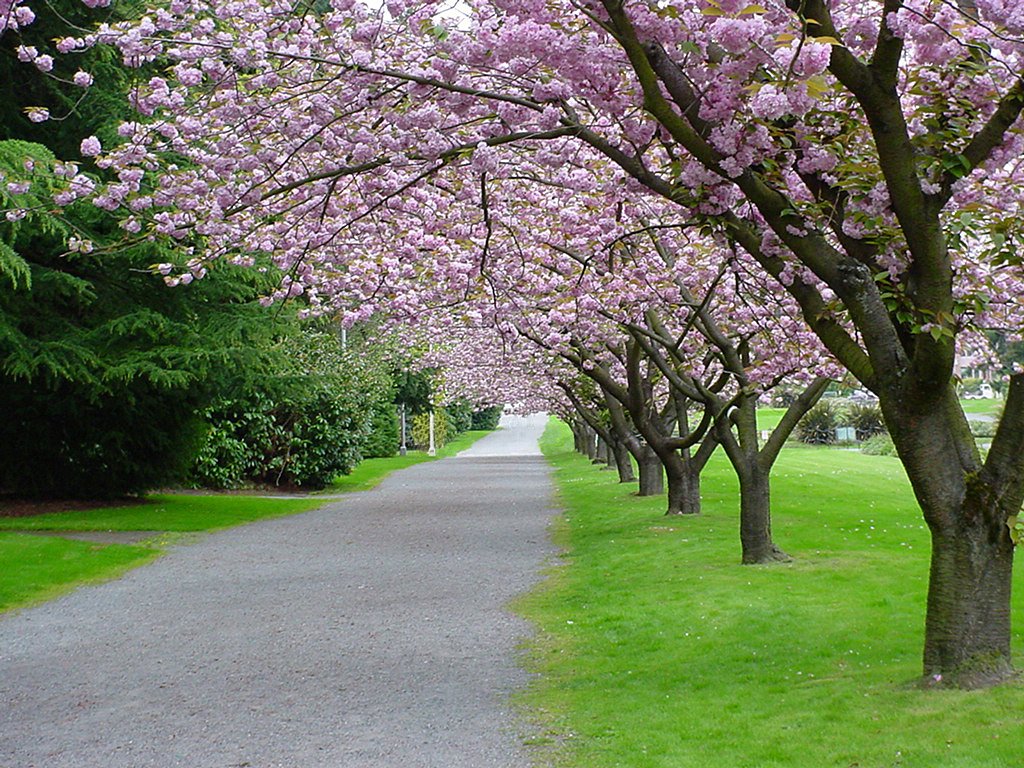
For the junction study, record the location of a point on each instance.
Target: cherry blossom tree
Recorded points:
(864, 155)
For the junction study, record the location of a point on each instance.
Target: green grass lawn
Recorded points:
(35, 568)
(658, 649)
(168, 512)
(988, 407)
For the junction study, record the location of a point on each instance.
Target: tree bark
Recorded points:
(683, 485)
(589, 442)
(756, 517)
(967, 505)
(967, 630)
(652, 479)
(620, 453)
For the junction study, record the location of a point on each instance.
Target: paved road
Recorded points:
(368, 633)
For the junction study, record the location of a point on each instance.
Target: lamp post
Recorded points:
(432, 451)
(403, 449)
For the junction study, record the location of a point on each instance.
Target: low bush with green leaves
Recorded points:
(382, 441)
(486, 418)
(301, 423)
(421, 429)
(865, 418)
(878, 445)
(818, 426)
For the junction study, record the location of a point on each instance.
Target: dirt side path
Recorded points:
(369, 633)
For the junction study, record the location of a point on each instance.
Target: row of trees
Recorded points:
(668, 207)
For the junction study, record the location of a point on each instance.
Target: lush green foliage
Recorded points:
(420, 432)
(658, 649)
(300, 422)
(383, 439)
(459, 416)
(865, 418)
(413, 387)
(818, 426)
(879, 445)
(103, 368)
(486, 418)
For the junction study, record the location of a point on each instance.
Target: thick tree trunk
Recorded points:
(600, 451)
(967, 630)
(756, 516)
(652, 475)
(966, 503)
(683, 486)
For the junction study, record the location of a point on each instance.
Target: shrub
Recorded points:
(302, 432)
(983, 428)
(382, 441)
(865, 418)
(818, 426)
(459, 416)
(879, 445)
(486, 418)
(421, 429)
(301, 421)
(61, 442)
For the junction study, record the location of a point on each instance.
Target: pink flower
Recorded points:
(82, 79)
(90, 147)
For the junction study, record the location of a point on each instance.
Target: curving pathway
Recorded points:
(368, 633)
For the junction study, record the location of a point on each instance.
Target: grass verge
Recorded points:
(38, 568)
(35, 568)
(167, 512)
(656, 648)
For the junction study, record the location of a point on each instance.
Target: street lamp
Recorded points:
(403, 449)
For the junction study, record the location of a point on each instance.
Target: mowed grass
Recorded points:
(656, 648)
(168, 512)
(36, 568)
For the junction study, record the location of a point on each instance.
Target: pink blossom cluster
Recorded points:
(396, 161)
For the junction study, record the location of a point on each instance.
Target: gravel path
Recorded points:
(369, 633)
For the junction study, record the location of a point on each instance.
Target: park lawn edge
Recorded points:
(151, 549)
(626, 676)
(134, 556)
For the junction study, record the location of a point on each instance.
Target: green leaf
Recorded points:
(14, 267)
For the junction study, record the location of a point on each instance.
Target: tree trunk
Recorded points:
(622, 462)
(577, 437)
(607, 455)
(967, 504)
(967, 630)
(600, 451)
(756, 516)
(683, 486)
(589, 443)
(652, 480)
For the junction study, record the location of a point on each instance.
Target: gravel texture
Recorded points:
(371, 632)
